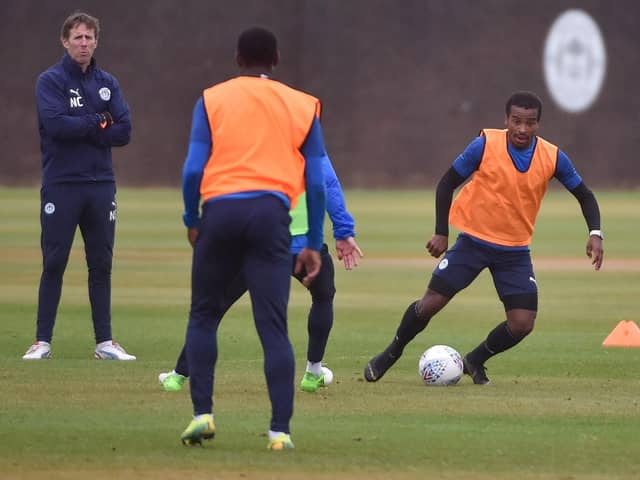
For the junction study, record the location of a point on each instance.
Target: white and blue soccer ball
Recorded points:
(440, 365)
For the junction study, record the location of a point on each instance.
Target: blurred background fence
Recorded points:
(405, 84)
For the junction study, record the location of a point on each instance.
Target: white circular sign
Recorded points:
(574, 60)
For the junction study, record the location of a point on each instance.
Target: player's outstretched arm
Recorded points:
(349, 252)
(444, 196)
(595, 251)
(591, 213)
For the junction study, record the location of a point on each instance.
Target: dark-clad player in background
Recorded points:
(322, 289)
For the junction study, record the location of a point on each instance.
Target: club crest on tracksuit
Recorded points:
(105, 94)
(49, 208)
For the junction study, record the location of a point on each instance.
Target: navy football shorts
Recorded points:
(511, 270)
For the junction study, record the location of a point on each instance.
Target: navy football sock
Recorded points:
(410, 326)
(498, 340)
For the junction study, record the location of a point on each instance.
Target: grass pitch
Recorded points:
(560, 406)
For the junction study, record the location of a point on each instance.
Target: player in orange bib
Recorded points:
(256, 144)
(495, 212)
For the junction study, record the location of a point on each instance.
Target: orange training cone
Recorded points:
(625, 334)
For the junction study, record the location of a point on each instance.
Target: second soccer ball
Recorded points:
(328, 375)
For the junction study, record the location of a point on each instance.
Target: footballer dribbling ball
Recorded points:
(328, 375)
(440, 365)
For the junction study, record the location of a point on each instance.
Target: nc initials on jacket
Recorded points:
(76, 101)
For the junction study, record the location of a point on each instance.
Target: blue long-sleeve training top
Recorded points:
(341, 220)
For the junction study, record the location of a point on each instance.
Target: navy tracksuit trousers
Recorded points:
(248, 237)
(64, 208)
(320, 319)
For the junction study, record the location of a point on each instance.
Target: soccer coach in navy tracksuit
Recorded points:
(81, 115)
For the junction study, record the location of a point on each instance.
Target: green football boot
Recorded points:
(281, 442)
(171, 381)
(200, 428)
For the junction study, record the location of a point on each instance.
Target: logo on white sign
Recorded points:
(574, 60)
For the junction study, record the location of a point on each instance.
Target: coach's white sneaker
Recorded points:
(38, 351)
(110, 350)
